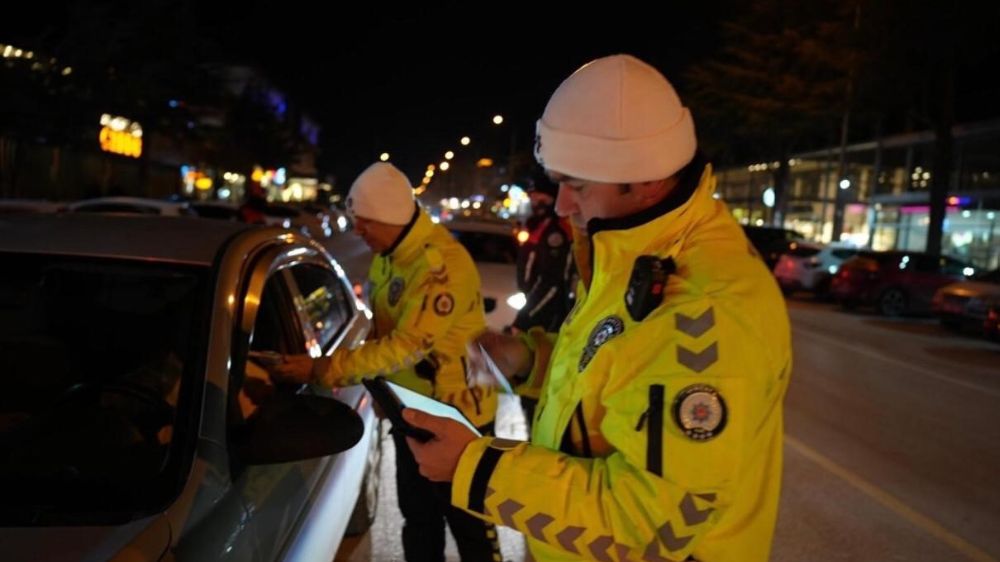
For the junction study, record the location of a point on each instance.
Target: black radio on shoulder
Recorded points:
(645, 287)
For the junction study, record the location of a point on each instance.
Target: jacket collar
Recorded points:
(660, 230)
(411, 240)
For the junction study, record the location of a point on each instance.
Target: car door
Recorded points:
(305, 306)
(274, 495)
(926, 278)
(329, 308)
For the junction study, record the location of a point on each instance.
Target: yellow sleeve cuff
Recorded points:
(461, 482)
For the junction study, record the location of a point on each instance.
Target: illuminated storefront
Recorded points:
(121, 136)
(884, 192)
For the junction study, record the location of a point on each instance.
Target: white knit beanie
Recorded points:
(382, 193)
(615, 120)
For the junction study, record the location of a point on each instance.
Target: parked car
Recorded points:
(494, 249)
(29, 206)
(218, 210)
(896, 283)
(966, 304)
(336, 219)
(136, 422)
(991, 326)
(287, 216)
(770, 242)
(808, 266)
(131, 206)
(340, 218)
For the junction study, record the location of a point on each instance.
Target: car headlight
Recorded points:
(286, 223)
(517, 301)
(832, 269)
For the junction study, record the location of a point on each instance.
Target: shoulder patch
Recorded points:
(444, 304)
(700, 412)
(604, 331)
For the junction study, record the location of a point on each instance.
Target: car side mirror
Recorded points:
(292, 427)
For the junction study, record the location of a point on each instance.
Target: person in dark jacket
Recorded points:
(545, 269)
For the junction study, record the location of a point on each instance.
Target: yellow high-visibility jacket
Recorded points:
(427, 305)
(660, 437)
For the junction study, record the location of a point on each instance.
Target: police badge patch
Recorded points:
(604, 331)
(395, 290)
(444, 304)
(700, 412)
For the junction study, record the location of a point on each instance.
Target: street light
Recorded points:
(498, 119)
(449, 155)
(444, 166)
(384, 157)
(845, 183)
(466, 141)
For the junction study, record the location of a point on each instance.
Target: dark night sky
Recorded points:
(412, 81)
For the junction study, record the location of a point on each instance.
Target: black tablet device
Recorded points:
(392, 398)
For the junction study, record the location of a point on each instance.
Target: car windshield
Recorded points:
(989, 276)
(127, 208)
(487, 246)
(802, 251)
(95, 359)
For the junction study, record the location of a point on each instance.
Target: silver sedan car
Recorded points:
(136, 419)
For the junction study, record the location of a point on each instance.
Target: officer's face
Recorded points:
(379, 236)
(582, 200)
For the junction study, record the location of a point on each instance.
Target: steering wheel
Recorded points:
(154, 413)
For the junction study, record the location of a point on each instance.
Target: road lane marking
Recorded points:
(932, 527)
(914, 368)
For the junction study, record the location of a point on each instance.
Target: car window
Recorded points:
(118, 208)
(844, 253)
(216, 212)
(887, 259)
(923, 263)
(951, 266)
(280, 211)
(275, 328)
(487, 246)
(97, 359)
(802, 251)
(325, 301)
(989, 276)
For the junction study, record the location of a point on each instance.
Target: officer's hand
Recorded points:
(297, 369)
(511, 356)
(438, 457)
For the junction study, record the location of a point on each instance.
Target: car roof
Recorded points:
(30, 205)
(173, 239)
(138, 201)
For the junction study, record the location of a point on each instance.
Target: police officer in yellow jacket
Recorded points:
(658, 433)
(424, 289)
